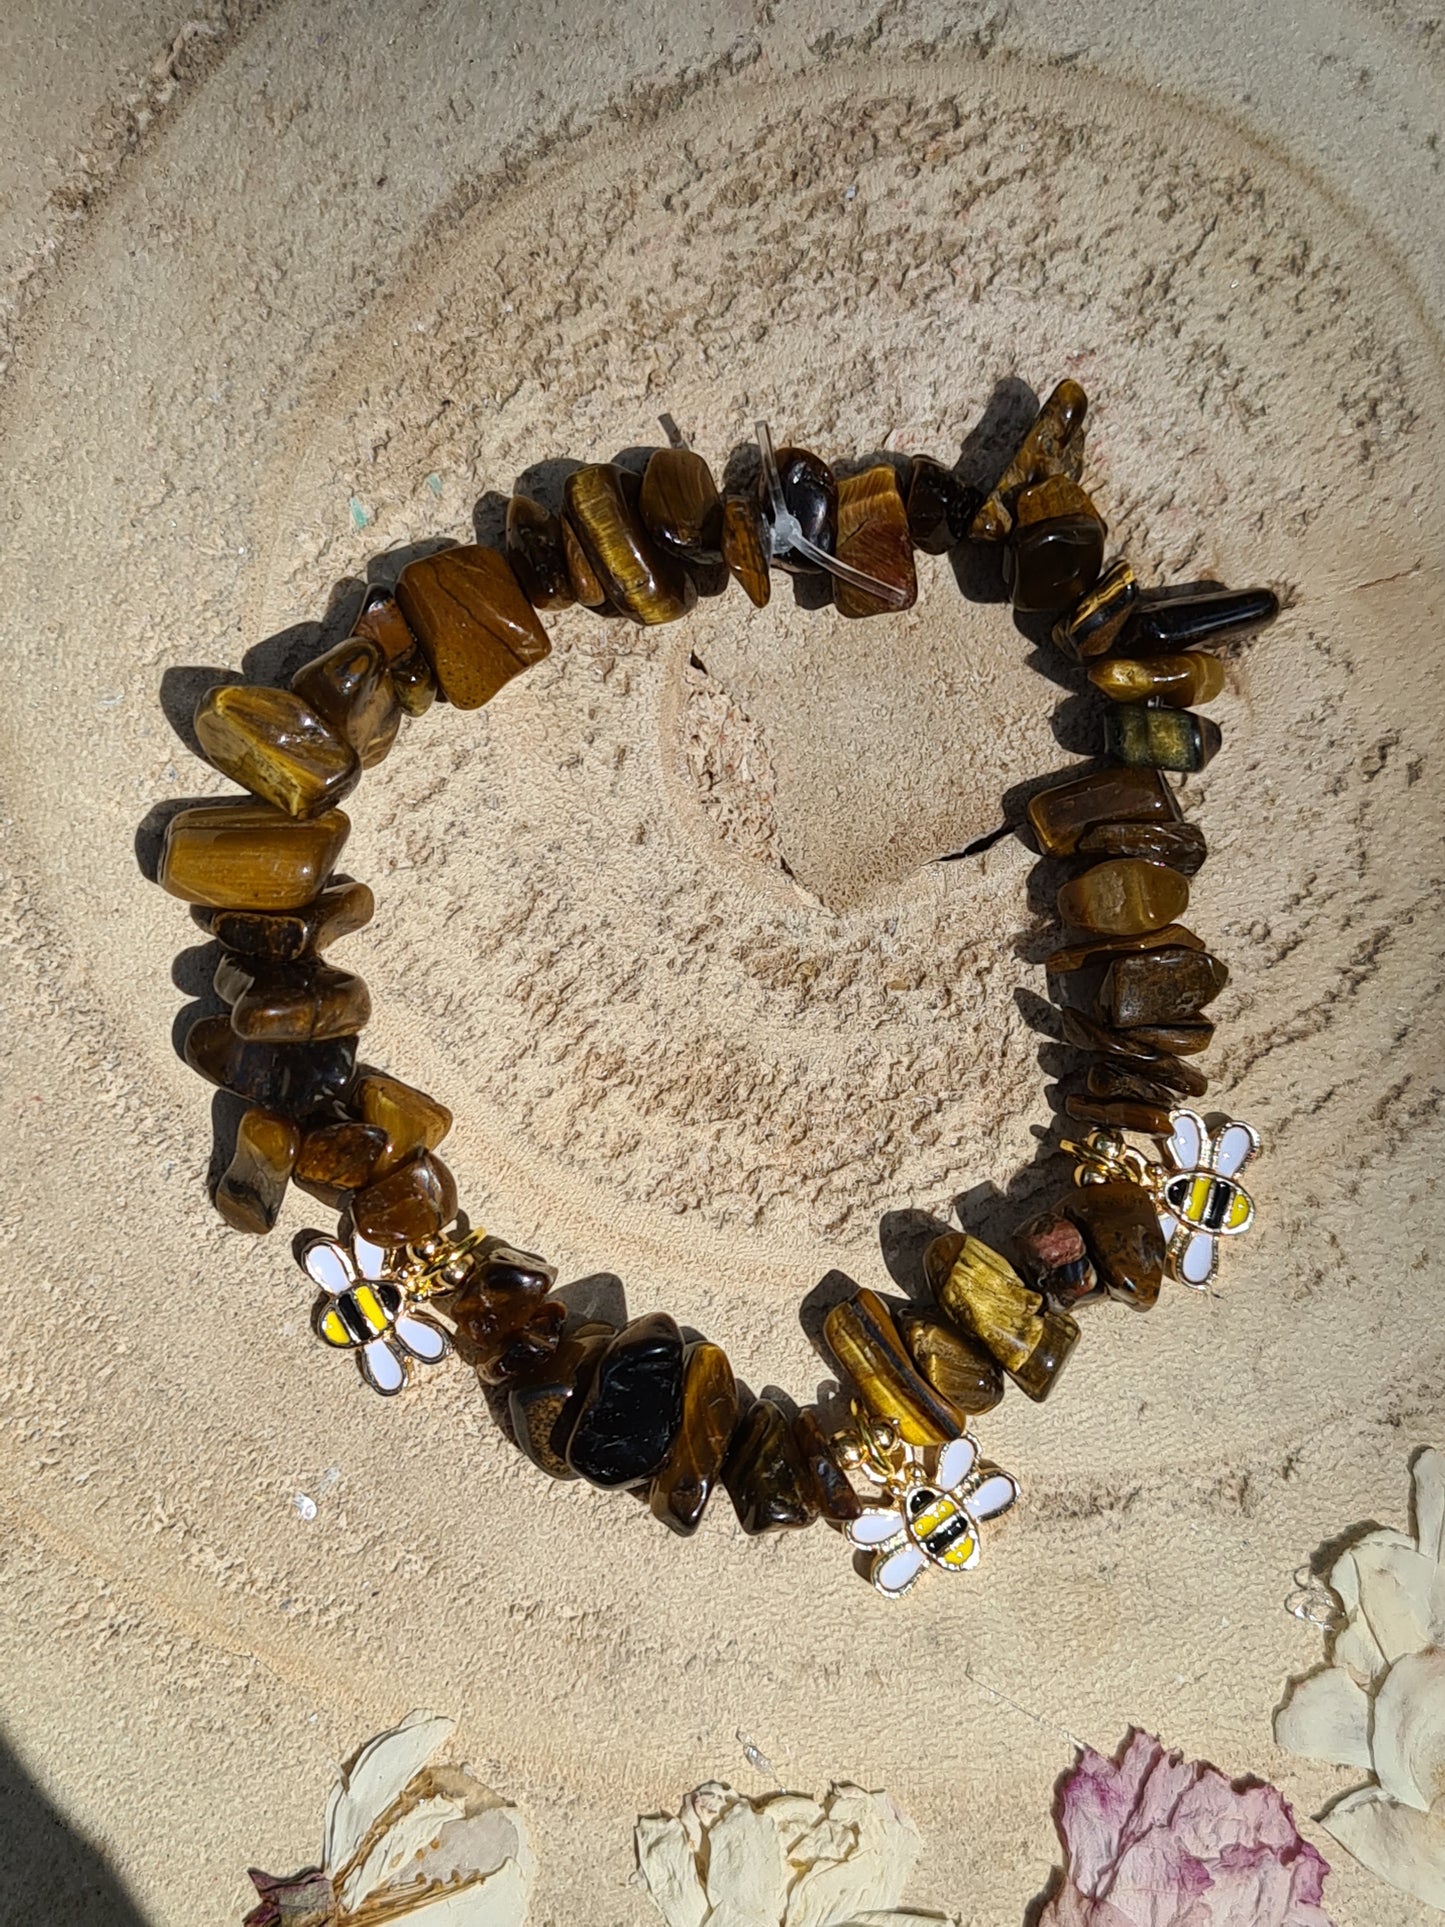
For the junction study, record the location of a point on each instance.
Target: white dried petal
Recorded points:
(747, 1882)
(1399, 1843)
(1428, 1473)
(1408, 1739)
(864, 1858)
(490, 1834)
(1395, 1585)
(667, 1867)
(406, 1838)
(374, 1779)
(1327, 1717)
(497, 1900)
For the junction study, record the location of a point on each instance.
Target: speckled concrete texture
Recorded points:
(291, 290)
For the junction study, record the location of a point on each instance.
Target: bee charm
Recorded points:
(367, 1309)
(930, 1520)
(1200, 1198)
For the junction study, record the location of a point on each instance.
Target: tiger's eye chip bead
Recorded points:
(1055, 1260)
(631, 1414)
(497, 1303)
(1057, 546)
(1063, 813)
(680, 504)
(476, 627)
(1119, 1114)
(411, 1120)
(745, 548)
(247, 856)
(337, 1159)
(940, 506)
(351, 688)
(965, 1375)
(988, 1301)
(1077, 956)
(836, 1498)
(810, 492)
(382, 622)
(1165, 620)
(543, 1404)
(537, 553)
(295, 1003)
(873, 536)
(1159, 1064)
(253, 1185)
(1180, 681)
(693, 1467)
(1158, 987)
(275, 745)
(1053, 446)
(295, 1080)
(408, 1204)
(1142, 737)
(1120, 1223)
(1181, 845)
(1097, 619)
(766, 1474)
(638, 575)
(413, 681)
(865, 1341)
(1124, 895)
(286, 937)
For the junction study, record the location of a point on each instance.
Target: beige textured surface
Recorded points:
(399, 257)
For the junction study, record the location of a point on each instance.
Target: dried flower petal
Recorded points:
(1399, 1843)
(374, 1778)
(1327, 1716)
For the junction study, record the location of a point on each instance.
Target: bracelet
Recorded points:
(642, 1408)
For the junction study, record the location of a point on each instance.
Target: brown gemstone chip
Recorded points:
(940, 507)
(1142, 737)
(382, 622)
(1183, 681)
(1061, 814)
(413, 681)
(301, 1003)
(352, 689)
(1164, 986)
(1162, 1065)
(500, 1299)
(961, 1371)
(991, 1304)
(411, 1120)
(866, 1343)
(1181, 845)
(1124, 895)
(1057, 546)
(538, 554)
(1176, 1040)
(680, 504)
(275, 745)
(745, 548)
(836, 1497)
(1120, 1223)
(247, 856)
(766, 1475)
(1110, 1078)
(693, 1467)
(1053, 446)
(471, 618)
(410, 1203)
(295, 1080)
(336, 1159)
(873, 536)
(253, 1186)
(1055, 1260)
(1075, 956)
(640, 578)
(1119, 1114)
(544, 1403)
(1097, 618)
(284, 938)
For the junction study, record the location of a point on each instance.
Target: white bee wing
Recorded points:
(421, 1339)
(382, 1369)
(1168, 1224)
(895, 1572)
(329, 1265)
(1198, 1259)
(1187, 1142)
(372, 1261)
(875, 1527)
(955, 1462)
(1233, 1148)
(996, 1494)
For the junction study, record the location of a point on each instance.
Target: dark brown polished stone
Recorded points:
(810, 491)
(1054, 1258)
(286, 937)
(639, 576)
(381, 621)
(836, 1498)
(693, 1467)
(1119, 1114)
(1061, 814)
(351, 688)
(295, 1080)
(587, 586)
(538, 554)
(410, 1203)
(1056, 549)
(680, 503)
(866, 1343)
(1076, 956)
(1120, 1223)
(1054, 445)
(1181, 845)
(468, 612)
(962, 1372)
(413, 681)
(940, 507)
(300, 1003)
(498, 1304)
(990, 1303)
(631, 1414)
(1166, 620)
(274, 744)
(1142, 737)
(1099, 616)
(336, 1159)
(1158, 987)
(251, 1190)
(1161, 1065)
(1176, 1040)
(745, 548)
(1110, 1078)
(247, 856)
(873, 536)
(766, 1475)
(543, 1405)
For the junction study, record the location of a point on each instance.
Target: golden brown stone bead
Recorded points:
(293, 1079)
(413, 681)
(962, 1372)
(411, 1120)
(1097, 618)
(985, 1297)
(503, 1294)
(335, 1159)
(1162, 986)
(680, 503)
(468, 612)
(1120, 1223)
(301, 1003)
(1124, 895)
(865, 1341)
(275, 745)
(537, 555)
(1054, 445)
(765, 1473)
(940, 508)
(247, 856)
(587, 586)
(1061, 814)
(1182, 681)
(640, 577)
(1161, 1065)
(693, 1467)
(1145, 738)
(1112, 1079)
(382, 622)
(1075, 956)
(531, 1348)
(251, 1190)
(284, 938)
(873, 536)
(1057, 546)
(745, 548)
(543, 1405)
(836, 1497)
(1176, 1040)
(351, 688)
(1181, 845)
(410, 1203)
(1120, 1114)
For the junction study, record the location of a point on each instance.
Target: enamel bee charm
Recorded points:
(367, 1309)
(1200, 1199)
(933, 1516)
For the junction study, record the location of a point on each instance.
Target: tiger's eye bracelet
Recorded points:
(642, 1408)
